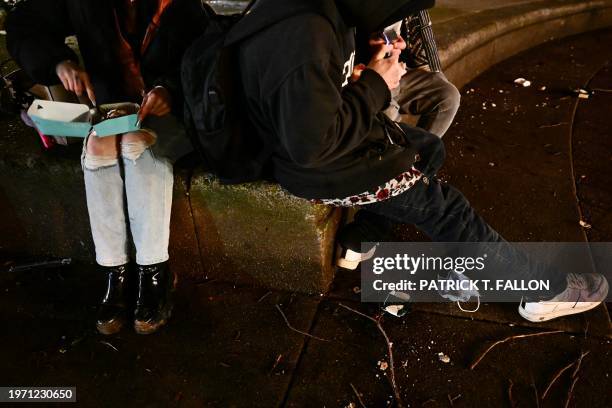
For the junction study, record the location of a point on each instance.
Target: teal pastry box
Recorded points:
(77, 120)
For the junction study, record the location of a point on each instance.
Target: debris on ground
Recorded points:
(585, 224)
(523, 82)
(583, 93)
(356, 290)
(383, 365)
(443, 358)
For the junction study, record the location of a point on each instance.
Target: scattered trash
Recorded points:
(494, 105)
(522, 81)
(383, 365)
(585, 225)
(491, 164)
(583, 93)
(356, 290)
(542, 88)
(443, 358)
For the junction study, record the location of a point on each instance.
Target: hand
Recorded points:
(376, 41)
(75, 79)
(157, 102)
(390, 69)
(359, 68)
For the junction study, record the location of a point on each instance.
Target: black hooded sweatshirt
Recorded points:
(37, 30)
(328, 136)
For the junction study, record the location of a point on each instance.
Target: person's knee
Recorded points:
(133, 145)
(100, 152)
(450, 97)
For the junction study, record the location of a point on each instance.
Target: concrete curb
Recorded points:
(472, 43)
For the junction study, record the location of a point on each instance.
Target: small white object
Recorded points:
(585, 225)
(523, 82)
(443, 358)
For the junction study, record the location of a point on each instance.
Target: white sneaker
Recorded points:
(584, 292)
(351, 259)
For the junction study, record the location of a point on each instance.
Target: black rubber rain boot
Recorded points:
(156, 285)
(113, 311)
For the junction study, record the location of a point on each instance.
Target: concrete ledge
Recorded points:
(473, 42)
(257, 232)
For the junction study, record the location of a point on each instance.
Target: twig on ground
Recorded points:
(510, 397)
(570, 393)
(398, 397)
(553, 125)
(296, 330)
(358, 396)
(564, 369)
(556, 377)
(106, 343)
(507, 339)
(276, 362)
(451, 400)
(264, 296)
(579, 363)
(535, 391)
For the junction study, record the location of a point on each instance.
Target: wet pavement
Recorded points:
(517, 154)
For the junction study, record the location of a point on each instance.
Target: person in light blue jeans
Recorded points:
(130, 51)
(128, 183)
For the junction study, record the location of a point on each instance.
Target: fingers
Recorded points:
(157, 102)
(382, 52)
(77, 84)
(376, 41)
(400, 44)
(395, 54)
(88, 87)
(145, 110)
(357, 71)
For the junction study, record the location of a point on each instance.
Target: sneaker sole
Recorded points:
(352, 259)
(581, 307)
(537, 318)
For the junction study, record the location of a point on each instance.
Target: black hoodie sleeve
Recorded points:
(36, 34)
(316, 122)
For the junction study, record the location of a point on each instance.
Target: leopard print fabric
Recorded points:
(391, 188)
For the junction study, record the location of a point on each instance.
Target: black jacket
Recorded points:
(328, 136)
(37, 30)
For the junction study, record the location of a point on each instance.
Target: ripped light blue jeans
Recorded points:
(132, 195)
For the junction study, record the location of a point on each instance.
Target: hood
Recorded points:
(371, 16)
(367, 15)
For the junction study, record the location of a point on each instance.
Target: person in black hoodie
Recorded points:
(331, 142)
(130, 49)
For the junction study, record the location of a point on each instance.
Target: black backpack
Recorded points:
(215, 113)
